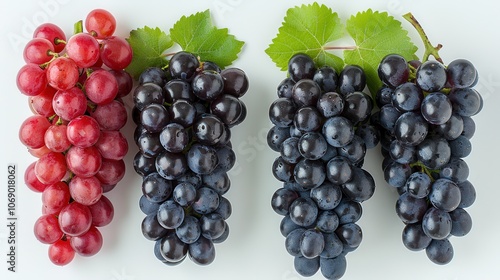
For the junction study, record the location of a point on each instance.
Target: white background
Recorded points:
(255, 248)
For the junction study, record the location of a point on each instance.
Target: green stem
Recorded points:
(78, 27)
(424, 169)
(429, 48)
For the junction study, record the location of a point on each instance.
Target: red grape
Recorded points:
(61, 253)
(41, 104)
(53, 34)
(111, 172)
(116, 53)
(31, 79)
(83, 131)
(55, 138)
(32, 131)
(101, 87)
(69, 104)
(83, 49)
(111, 116)
(112, 145)
(39, 152)
(125, 82)
(75, 219)
(87, 244)
(84, 162)
(32, 181)
(51, 168)
(102, 212)
(100, 23)
(85, 191)
(47, 229)
(62, 73)
(38, 51)
(55, 197)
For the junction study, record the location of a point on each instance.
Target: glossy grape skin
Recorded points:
(101, 23)
(466, 102)
(170, 215)
(308, 119)
(357, 107)
(207, 85)
(431, 76)
(393, 70)
(309, 173)
(414, 237)
(282, 111)
(202, 252)
(461, 73)
(235, 81)
(146, 94)
(284, 89)
(436, 108)
(171, 165)
(436, 223)
(116, 52)
(53, 34)
(410, 209)
(338, 131)
(440, 251)
(445, 195)
(327, 78)
(351, 79)
(183, 65)
(434, 152)
(407, 97)
(330, 104)
(306, 92)
(301, 66)
(311, 243)
(303, 211)
(282, 199)
(411, 129)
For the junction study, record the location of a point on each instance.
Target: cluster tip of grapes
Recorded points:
(75, 88)
(184, 113)
(425, 119)
(321, 131)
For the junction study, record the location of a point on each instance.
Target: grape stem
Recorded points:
(78, 27)
(429, 48)
(424, 169)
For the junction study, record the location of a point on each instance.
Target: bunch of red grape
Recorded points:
(75, 87)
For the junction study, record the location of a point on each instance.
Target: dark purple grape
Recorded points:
(301, 66)
(207, 85)
(183, 65)
(327, 79)
(461, 73)
(235, 81)
(147, 94)
(393, 70)
(431, 76)
(351, 79)
(176, 90)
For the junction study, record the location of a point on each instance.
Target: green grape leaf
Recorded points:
(197, 34)
(148, 45)
(307, 29)
(376, 35)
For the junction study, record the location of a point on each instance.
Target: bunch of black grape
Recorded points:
(183, 115)
(426, 126)
(321, 134)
